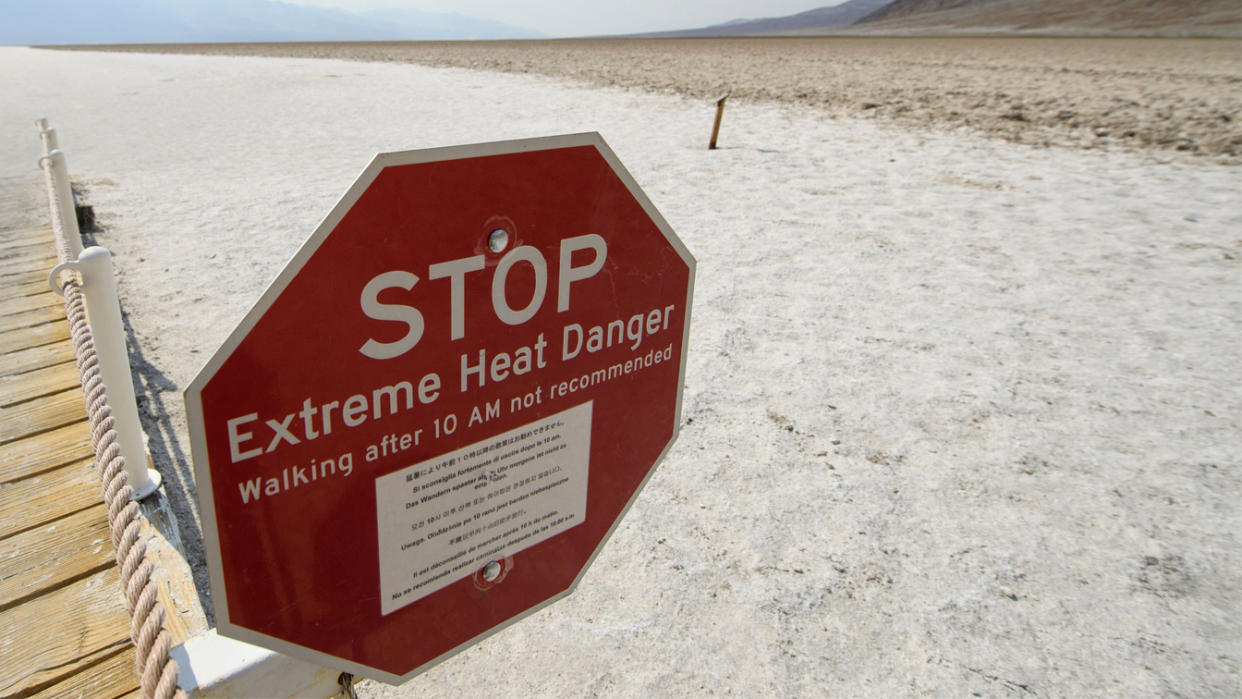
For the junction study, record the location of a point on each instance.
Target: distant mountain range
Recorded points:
(1214, 17)
(820, 18)
(25, 22)
(1105, 17)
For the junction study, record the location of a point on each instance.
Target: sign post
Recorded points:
(433, 419)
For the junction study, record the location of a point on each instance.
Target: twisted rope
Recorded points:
(157, 672)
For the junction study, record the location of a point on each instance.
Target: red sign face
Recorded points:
(435, 416)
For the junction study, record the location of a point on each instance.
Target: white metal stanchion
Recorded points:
(47, 135)
(103, 313)
(50, 143)
(58, 168)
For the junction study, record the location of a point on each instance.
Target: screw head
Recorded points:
(491, 571)
(498, 240)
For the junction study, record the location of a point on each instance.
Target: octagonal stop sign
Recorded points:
(432, 420)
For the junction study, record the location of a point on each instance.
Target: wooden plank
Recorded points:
(46, 497)
(35, 335)
(52, 637)
(114, 676)
(47, 557)
(31, 268)
(20, 239)
(184, 616)
(28, 275)
(33, 455)
(26, 686)
(10, 233)
(43, 381)
(12, 291)
(26, 237)
(42, 259)
(41, 414)
(24, 245)
(26, 319)
(30, 303)
(18, 362)
(21, 256)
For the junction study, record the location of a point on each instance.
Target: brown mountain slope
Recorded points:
(1214, 17)
(907, 8)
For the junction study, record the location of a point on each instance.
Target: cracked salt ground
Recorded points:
(960, 415)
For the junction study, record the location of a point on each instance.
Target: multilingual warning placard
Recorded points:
(442, 519)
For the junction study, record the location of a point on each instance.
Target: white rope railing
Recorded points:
(157, 672)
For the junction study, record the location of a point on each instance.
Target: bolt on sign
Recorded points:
(429, 424)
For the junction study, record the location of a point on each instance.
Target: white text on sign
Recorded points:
(456, 270)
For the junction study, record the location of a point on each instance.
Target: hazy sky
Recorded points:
(586, 17)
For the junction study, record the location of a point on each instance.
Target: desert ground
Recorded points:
(1162, 94)
(961, 412)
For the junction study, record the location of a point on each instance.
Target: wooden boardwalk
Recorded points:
(64, 629)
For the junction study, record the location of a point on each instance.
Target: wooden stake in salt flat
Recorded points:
(719, 113)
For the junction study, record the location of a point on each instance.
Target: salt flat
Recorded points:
(1092, 92)
(961, 415)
